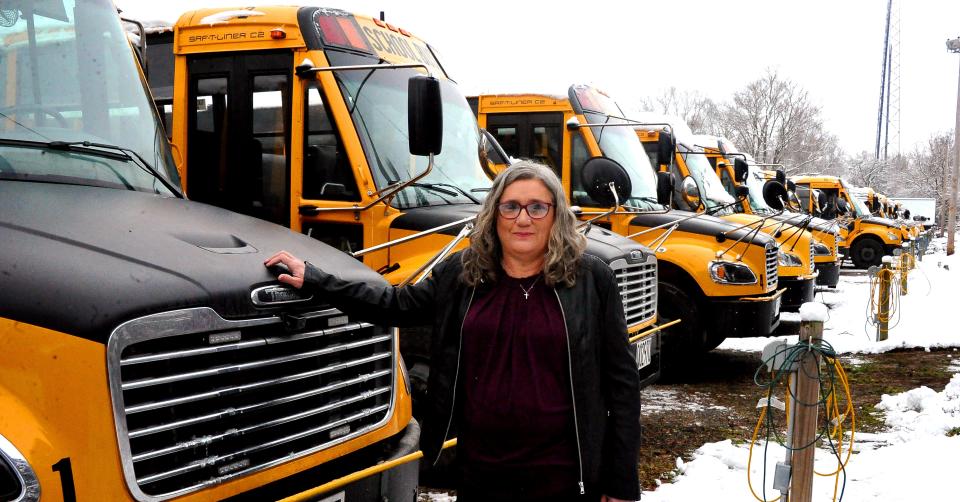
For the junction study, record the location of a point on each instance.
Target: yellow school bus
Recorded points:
(797, 245)
(147, 353)
(868, 238)
(823, 256)
(300, 116)
(719, 279)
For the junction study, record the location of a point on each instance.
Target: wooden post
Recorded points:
(905, 257)
(883, 303)
(807, 411)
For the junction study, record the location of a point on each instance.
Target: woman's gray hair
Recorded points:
(481, 261)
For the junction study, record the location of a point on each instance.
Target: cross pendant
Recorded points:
(526, 295)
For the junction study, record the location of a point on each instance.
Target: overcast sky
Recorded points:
(635, 49)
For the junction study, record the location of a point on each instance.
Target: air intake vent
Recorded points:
(772, 275)
(199, 399)
(638, 288)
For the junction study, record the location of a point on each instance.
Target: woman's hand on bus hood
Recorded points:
(289, 268)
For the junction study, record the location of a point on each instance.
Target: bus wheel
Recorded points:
(684, 339)
(866, 253)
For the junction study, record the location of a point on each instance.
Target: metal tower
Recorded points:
(888, 114)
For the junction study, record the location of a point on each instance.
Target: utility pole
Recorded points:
(954, 46)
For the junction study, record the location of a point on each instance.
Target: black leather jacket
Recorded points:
(603, 373)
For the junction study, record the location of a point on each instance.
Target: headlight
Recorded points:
(892, 236)
(726, 272)
(820, 249)
(789, 260)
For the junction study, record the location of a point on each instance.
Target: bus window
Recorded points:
(206, 179)
(507, 137)
(267, 146)
(545, 142)
(578, 156)
(326, 169)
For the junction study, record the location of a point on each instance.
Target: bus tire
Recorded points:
(684, 339)
(866, 252)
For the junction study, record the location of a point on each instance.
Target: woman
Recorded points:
(531, 367)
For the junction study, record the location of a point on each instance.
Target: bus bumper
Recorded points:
(743, 317)
(829, 274)
(346, 479)
(799, 291)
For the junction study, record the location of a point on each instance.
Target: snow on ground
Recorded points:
(655, 400)
(914, 459)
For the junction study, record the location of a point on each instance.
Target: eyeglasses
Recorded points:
(535, 210)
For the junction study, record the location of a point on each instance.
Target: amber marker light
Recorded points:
(278, 34)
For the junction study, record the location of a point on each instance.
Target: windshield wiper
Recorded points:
(436, 186)
(125, 154)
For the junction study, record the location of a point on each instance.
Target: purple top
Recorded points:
(517, 424)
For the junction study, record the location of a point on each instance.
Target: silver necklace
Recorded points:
(526, 291)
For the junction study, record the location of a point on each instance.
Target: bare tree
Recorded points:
(695, 108)
(774, 120)
(927, 170)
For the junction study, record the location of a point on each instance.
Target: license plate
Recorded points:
(644, 352)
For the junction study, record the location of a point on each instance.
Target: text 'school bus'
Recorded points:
(147, 354)
(302, 115)
(719, 279)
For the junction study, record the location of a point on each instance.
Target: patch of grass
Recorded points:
(953, 432)
(870, 419)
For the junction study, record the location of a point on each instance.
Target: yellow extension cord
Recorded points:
(833, 415)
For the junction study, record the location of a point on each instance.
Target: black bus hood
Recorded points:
(703, 224)
(82, 260)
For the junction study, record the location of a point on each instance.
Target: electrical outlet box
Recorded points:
(775, 355)
(781, 478)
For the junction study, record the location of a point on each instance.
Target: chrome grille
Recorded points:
(638, 288)
(772, 274)
(199, 400)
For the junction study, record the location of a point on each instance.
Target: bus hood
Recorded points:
(82, 260)
(704, 224)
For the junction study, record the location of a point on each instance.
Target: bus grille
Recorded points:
(638, 288)
(199, 400)
(772, 262)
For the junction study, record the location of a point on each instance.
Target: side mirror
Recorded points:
(743, 191)
(842, 206)
(875, 206)
(781, 177)
(666, 146)
(740, 170)
(424, 115)
(690, 192)
(774, 194)
(906, 214)
(666, 183)
(597, 175)
(791, 186)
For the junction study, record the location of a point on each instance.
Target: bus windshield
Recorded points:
(755, 182)
(66, 79)
(713, 194)
(377, 100)
(621, 144)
